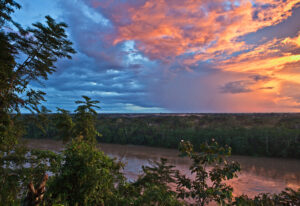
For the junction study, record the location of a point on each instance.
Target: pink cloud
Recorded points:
(184, 33)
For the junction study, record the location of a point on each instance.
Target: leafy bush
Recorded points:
(208, 184)
(86, 177)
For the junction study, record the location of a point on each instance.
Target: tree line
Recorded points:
(274, 135)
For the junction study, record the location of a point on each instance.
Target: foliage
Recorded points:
(83, 125)
(40, 46)
(64, 125)
(199, 188)
(273, 135)
(86, 177)
(6, 8)
(26, 55)
(85, 117)
(21, 167)
(41, 122)
(153, 187)
(286, 197)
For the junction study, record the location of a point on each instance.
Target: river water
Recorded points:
(258, 174)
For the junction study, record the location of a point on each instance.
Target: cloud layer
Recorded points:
(180, 56)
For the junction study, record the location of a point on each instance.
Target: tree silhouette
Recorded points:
(26, 55)
(85, 119)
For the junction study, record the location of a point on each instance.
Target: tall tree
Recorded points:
(26, 55)
(85, 119)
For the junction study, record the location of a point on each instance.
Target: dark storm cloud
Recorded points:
(98, 69)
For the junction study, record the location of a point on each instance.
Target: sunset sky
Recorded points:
(176, 55)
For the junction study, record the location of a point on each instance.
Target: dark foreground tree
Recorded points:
(26, 55)
(86, 177)
(154, 186)
(211, 169)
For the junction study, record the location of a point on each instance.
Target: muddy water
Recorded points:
(258, 174)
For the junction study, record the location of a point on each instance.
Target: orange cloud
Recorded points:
(272, 59)
(188, 32)
(169, 28)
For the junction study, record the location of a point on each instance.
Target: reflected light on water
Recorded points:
(258, 174)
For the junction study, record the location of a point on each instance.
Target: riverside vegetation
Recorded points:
(271, 135)
(81, 174)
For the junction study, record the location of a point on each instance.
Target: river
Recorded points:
(258, 174)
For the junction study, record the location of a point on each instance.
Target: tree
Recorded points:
(6, 8)
(85, 117)
(26, 55)
(154, 185)
(199, 188)
(64, 125)
(86, 177)
(42, 122)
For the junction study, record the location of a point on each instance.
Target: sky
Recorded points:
(156, 56)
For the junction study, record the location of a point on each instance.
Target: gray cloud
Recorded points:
(243, 86)
(288, 27)
(258, 77)
(117, 75)
(235, 87)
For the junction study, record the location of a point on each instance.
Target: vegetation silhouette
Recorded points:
(26, 55)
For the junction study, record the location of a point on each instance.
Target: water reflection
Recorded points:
(258, 174)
